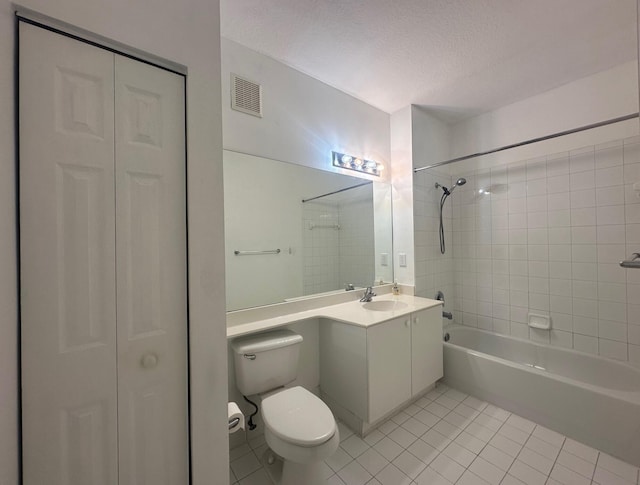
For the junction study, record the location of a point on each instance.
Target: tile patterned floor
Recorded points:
(448, 437)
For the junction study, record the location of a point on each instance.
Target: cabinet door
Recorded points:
(389, 357)
(426, 348)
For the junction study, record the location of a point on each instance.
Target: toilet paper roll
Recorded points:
(236, 418)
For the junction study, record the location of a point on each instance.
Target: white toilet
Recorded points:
(299, 427)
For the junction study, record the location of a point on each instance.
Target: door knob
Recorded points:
(149, 361)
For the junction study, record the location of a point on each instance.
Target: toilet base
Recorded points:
(282, 472)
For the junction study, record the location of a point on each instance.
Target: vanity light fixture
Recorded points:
(350, 162)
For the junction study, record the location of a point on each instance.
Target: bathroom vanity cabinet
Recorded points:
(371, 371)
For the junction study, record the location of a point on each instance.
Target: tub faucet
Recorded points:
(368, 294)
(447, 315)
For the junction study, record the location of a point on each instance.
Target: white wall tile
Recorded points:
(550, 243)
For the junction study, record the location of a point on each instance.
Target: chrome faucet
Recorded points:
(349, 287)
(368, 294)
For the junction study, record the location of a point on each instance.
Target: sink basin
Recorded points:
(384, 305)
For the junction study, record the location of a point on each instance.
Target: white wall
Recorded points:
(606, 95)
(433, 270)
(402, 181)
(303, 118)
(187, 33)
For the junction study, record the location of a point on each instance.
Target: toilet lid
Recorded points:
(299, 417)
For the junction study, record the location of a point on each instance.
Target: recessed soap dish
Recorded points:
(541, 322)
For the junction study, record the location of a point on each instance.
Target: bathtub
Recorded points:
(587, 398)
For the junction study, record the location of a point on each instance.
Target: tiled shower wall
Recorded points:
(335, 257)
(545, 236)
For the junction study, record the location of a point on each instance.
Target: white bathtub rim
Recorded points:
(628, 396)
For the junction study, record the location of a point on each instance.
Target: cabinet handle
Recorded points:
(407, 323)
(416, 321)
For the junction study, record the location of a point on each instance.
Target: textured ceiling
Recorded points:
(456, 57)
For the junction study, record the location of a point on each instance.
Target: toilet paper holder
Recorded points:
(233, 423)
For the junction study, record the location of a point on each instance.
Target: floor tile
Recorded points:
(475, 403)
(355, 446)
(521, 423)
(578, 449)
(488, 422)
(415, 427)
(409, 464)
(388, 448)
(387, 427)
(469, 478)
(468, 412)
(496, 412)
(447, 429)
(496, 457)
(448, 468)
(239, 451)
(481, 432)
(576, 464)
(605, 477)
(456, 395)
(487, 471)
(344, 430)
(505, 445)
(335, 480)
(372, 461)
(373, 437)
(431, 477)
(338, 460)
(618, 467)
(391, 475)
(426, 418)
(514, 434)
(535, 460)
(437, 409)
(568, 477)
(402, 437)
(461, 455)
(436, 439)
(354, 474)
(526, 474)
(400, 418)
(549, 436)
(245, 465)
(542, 448)
(258, 477)
(456, 439)
(470, 442)
(423, 451)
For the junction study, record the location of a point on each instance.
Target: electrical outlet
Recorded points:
(402, 258)
(384, 259)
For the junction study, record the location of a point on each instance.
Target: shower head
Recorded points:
(460, 181)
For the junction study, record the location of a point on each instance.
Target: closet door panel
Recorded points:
(67, 245)
(151, 274)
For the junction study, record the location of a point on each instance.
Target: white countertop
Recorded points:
(352, 313)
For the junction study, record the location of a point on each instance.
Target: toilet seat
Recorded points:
(298, 417)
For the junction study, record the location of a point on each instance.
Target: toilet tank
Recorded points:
(265, 361)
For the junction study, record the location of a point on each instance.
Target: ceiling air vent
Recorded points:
(246, 96)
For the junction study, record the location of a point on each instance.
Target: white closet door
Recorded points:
(67, 236)
(151, 275)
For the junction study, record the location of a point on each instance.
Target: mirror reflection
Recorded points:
(292, 231)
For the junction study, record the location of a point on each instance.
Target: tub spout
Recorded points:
(447, 315)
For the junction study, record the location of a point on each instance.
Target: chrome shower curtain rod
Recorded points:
(336, 192)
(528, 142)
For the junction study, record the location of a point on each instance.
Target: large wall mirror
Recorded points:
(293, 231)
